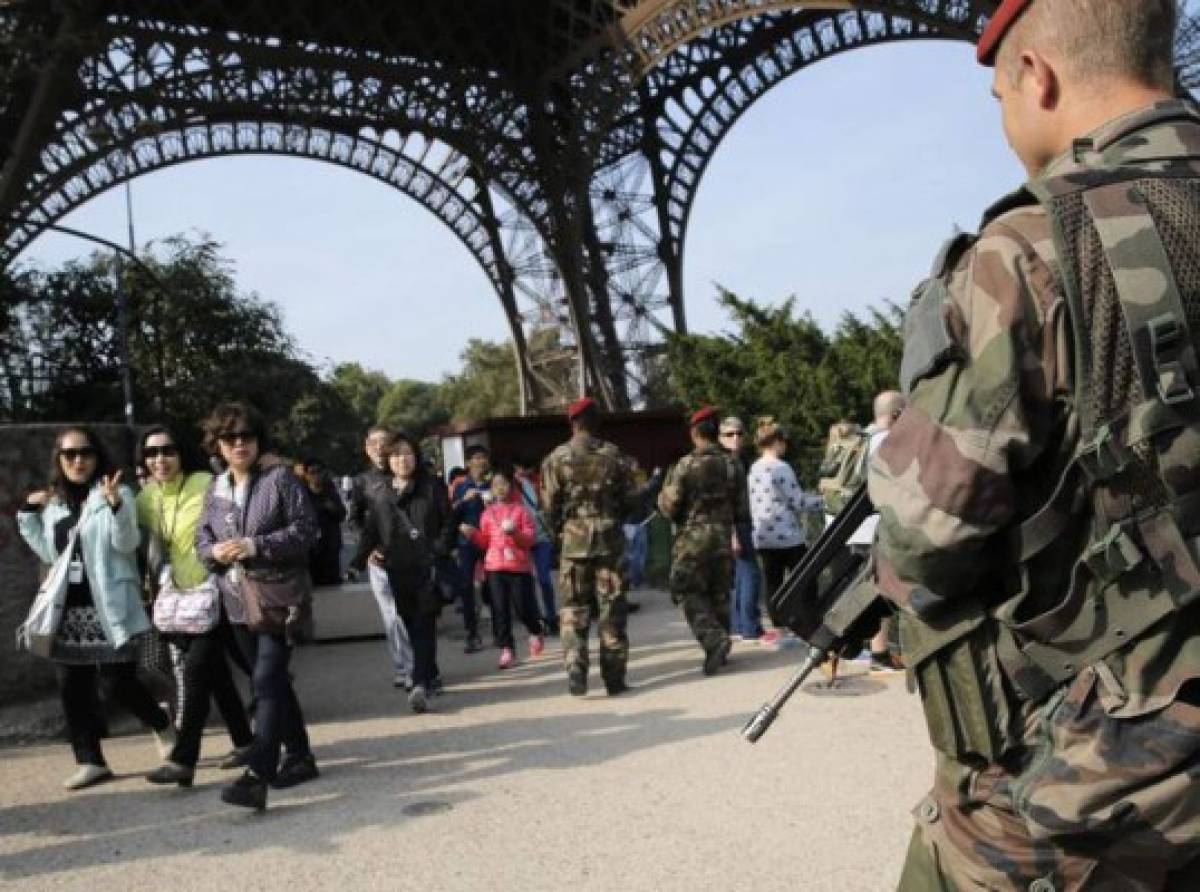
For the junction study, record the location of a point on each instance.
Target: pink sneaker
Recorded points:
(770, 636)
(507, 658)
(537, 644)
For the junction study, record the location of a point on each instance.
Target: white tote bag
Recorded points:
(36, 634)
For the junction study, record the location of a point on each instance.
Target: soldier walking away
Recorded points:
(1039, 499)
(587, 491)
(704, 496)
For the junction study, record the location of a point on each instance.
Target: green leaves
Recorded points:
(776, 363)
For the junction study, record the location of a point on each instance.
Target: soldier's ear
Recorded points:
(1043, 78)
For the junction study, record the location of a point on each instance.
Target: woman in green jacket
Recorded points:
(96, 639)
(169, 509)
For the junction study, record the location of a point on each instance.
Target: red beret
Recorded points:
(702, 414)
(578, 407)
(1006, 14)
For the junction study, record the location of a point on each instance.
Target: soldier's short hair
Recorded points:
(1099, 40)
(708, 427)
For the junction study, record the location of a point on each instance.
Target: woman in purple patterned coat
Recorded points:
(255, 534)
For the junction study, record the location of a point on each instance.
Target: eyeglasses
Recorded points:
(238, 436)
(160, 451)
(86, 453)
(733, 433)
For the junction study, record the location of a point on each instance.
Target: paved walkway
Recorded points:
(510, 784)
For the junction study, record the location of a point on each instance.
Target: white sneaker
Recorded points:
(87, 775)
(166, 742)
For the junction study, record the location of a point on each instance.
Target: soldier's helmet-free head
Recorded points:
(704, 423)
(583, 414)
(1065, 67)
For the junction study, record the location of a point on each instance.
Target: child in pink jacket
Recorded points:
(506, 534)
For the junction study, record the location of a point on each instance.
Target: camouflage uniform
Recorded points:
(704, 496)
(1049, 776)
(587, 490)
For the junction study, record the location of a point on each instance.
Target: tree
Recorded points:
(194, 341)
(413, 406)
(362, 389)
(488, 384)
(779, 364)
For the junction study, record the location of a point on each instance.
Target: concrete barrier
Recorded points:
(345, 611)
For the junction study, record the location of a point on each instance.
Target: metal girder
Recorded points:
(562, 140)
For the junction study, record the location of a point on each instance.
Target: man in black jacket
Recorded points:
(399, 646)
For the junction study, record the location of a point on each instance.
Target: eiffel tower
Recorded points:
(562, 141)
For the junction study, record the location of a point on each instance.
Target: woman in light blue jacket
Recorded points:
(104, 614)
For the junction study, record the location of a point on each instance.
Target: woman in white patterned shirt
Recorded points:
(776, 506)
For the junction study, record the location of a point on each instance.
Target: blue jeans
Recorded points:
(745, 618)
(468, 557)
(543, 566)
(637, 544)
(277, 716)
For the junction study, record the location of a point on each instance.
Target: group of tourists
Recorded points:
(1038, 535)
(226, 560)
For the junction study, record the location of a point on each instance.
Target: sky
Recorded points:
(837, 187)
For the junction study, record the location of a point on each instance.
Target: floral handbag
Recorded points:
(190, 611)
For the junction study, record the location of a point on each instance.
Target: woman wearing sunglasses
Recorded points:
(255, 533)
(103, 616)
(168, 510)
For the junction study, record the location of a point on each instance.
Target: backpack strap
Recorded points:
(1150, 301)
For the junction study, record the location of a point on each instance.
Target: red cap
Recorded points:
(1005, 16)
(702, 414)
(578, 407)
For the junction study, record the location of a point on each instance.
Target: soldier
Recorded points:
(1038, 497)
(587, 490)
(704, 496)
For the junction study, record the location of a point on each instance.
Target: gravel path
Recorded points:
(510, 784)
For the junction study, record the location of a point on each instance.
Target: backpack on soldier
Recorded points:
(844, 468)
(1126, 237)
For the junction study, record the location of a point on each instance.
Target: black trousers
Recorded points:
(77, 686)
(202, 674)
(776, 563)
(513, 591)
(293, 734)
(422, 634)
(278, 720)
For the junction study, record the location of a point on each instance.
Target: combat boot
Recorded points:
(615, 687)
(577, 681)
(717, 657)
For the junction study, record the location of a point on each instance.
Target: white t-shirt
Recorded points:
(776, 501)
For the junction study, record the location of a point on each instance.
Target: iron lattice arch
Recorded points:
(562, 141)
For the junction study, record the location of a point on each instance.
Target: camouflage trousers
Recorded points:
(1092, 803)
(582, 583)
(701, 577)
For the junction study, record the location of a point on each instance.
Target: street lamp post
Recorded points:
(122, 254)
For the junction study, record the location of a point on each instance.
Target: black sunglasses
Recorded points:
(733, 433)
(235, 436)
(168, 451)
(83, 453)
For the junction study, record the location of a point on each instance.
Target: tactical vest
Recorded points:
(590, 486)
(1128, 244)
(593, 500)
(711, 480)
(1126, 505)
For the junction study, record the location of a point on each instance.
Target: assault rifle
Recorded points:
(828, 600)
